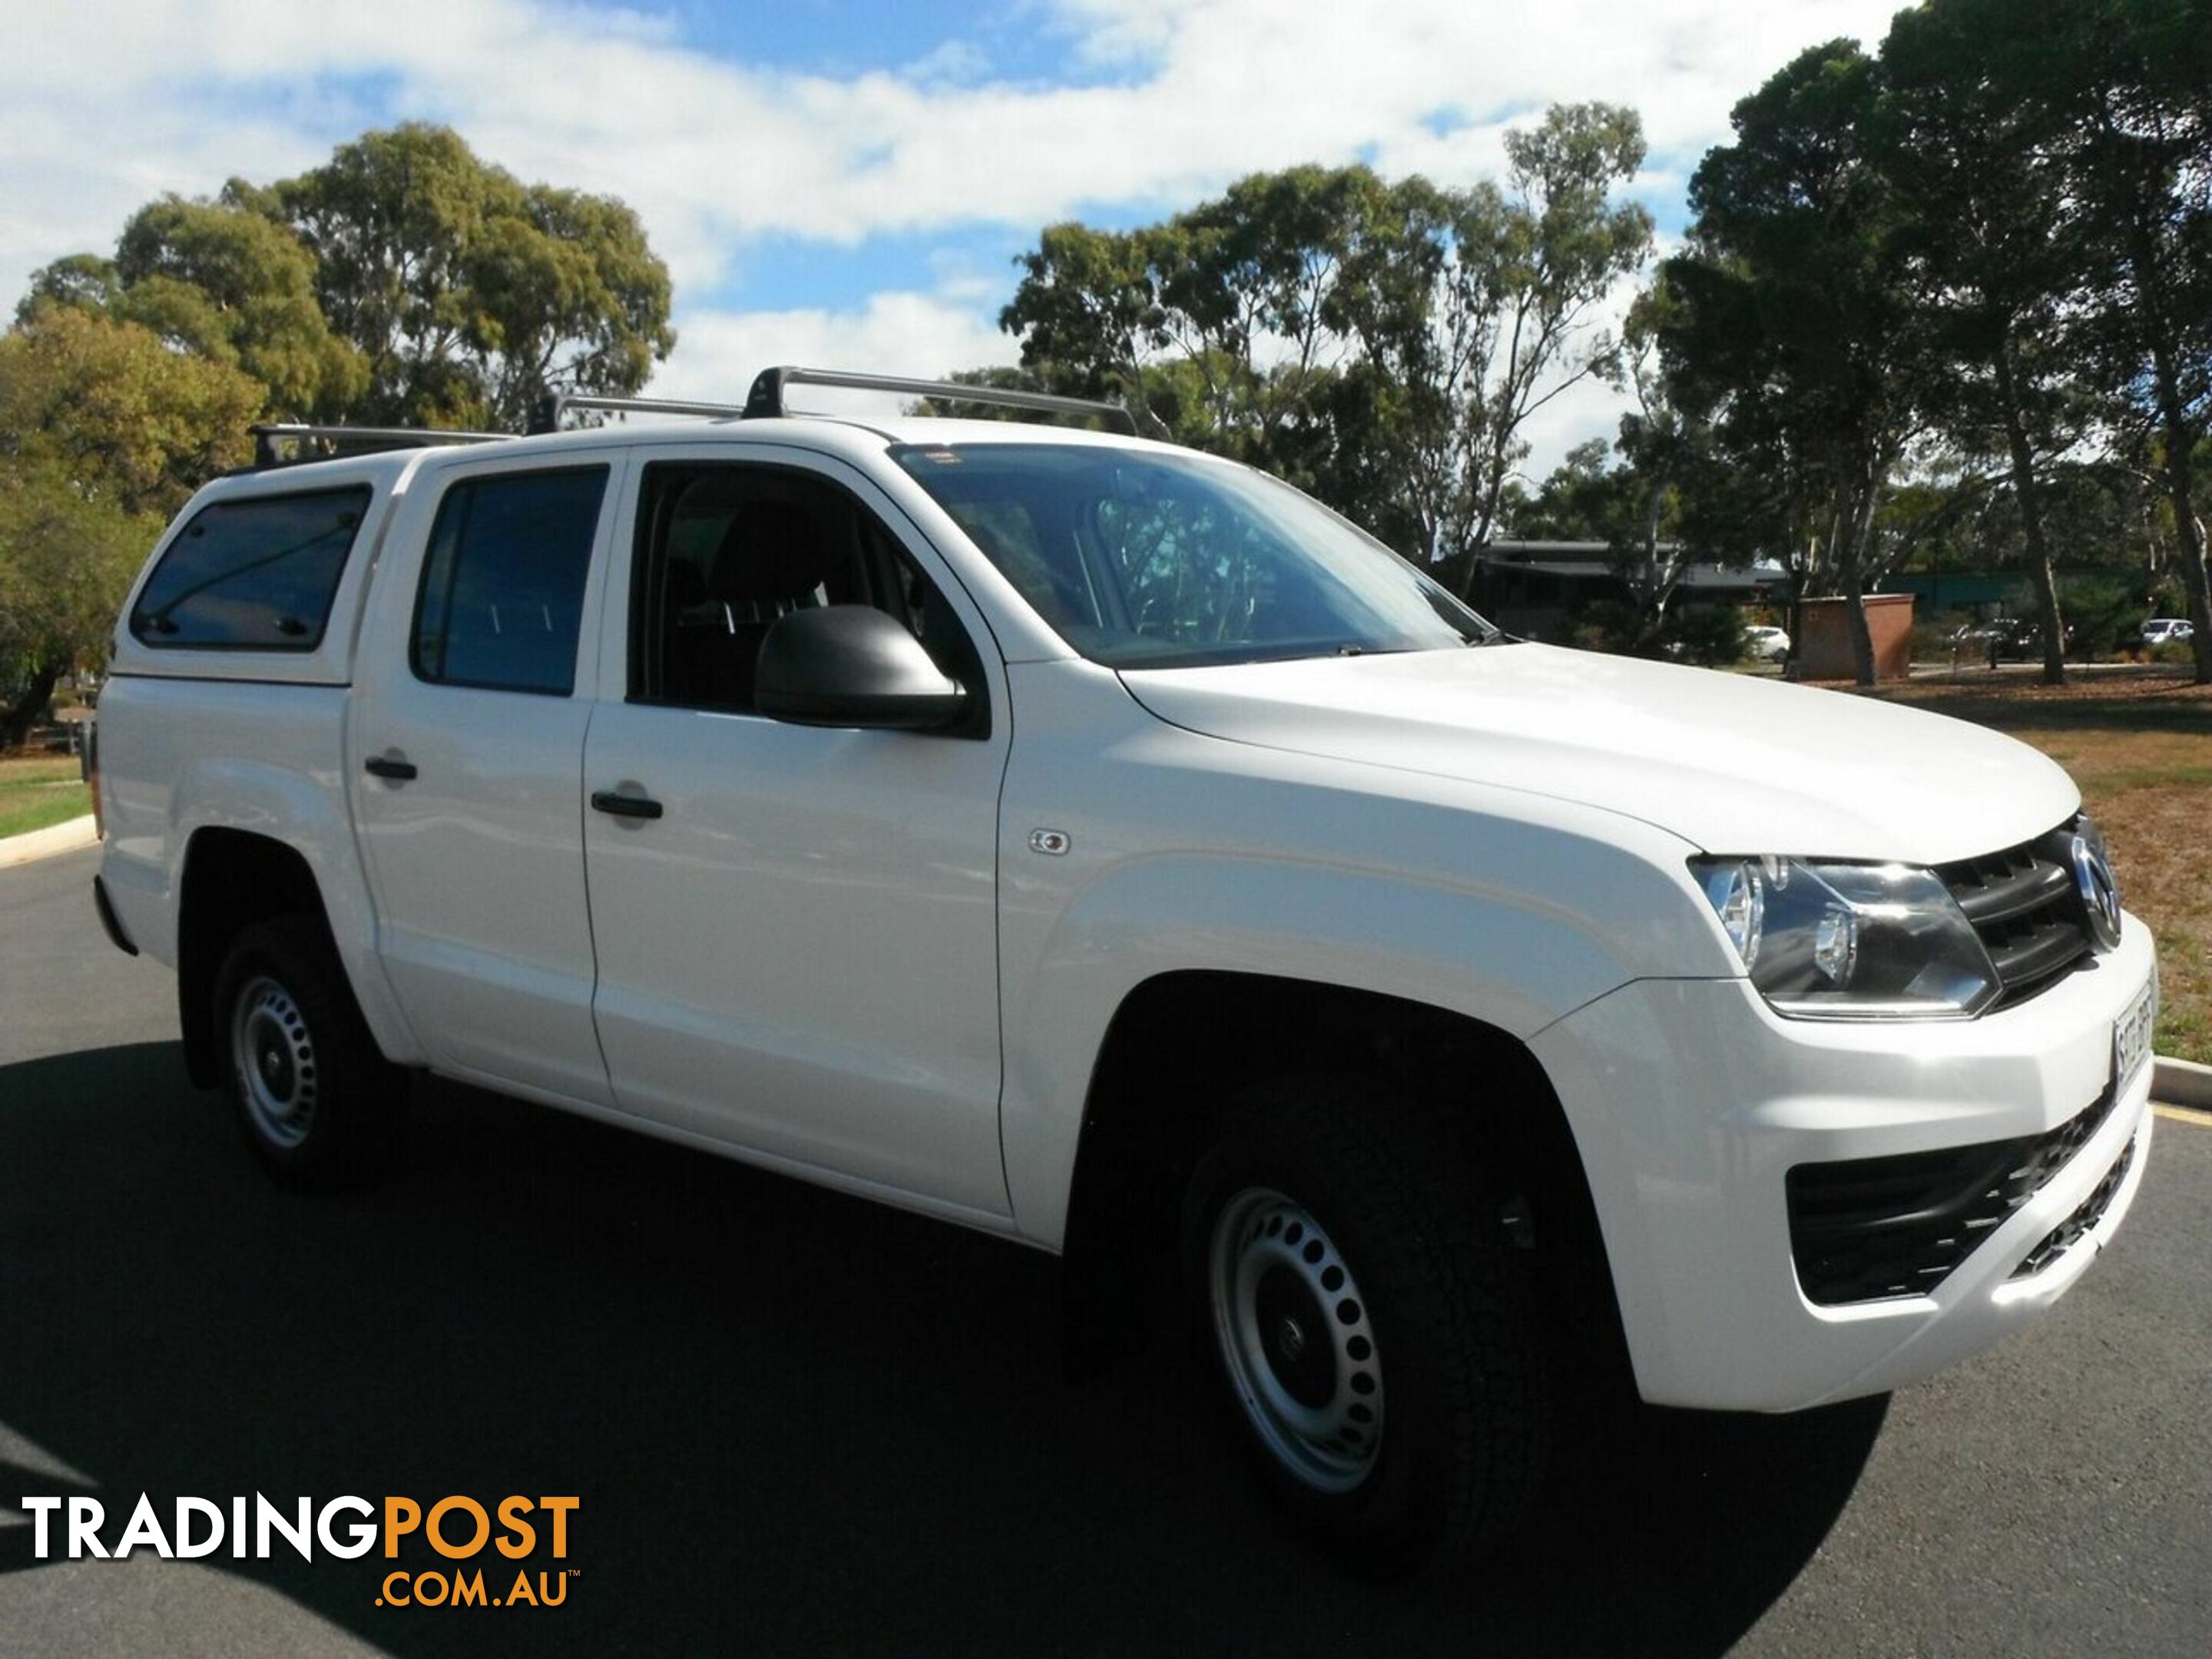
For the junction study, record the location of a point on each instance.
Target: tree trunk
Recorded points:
(1855, 621)
(2053, 625)
(1854, 523)
(2180, 488)
(19, 716)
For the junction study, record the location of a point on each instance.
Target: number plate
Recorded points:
(2131, 1036)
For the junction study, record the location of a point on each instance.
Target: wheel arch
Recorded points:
(232, 878)
(1183, 1043)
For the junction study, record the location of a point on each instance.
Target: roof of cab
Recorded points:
(838, 435)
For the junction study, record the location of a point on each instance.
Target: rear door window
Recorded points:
(502, 593)
(253, 575)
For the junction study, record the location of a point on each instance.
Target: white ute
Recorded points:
(1103, 846)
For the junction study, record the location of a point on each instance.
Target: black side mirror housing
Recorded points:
(853, 665)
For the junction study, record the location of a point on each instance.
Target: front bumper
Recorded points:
(1692, 1101)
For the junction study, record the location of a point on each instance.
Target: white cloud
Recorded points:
(111, 102)
(920, 335)
(106, 96)
(1589, 409)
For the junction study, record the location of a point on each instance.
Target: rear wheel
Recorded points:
(1369, 1322)
(318, 1105)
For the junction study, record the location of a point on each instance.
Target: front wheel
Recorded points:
(1369, 1323)
(318, 1105)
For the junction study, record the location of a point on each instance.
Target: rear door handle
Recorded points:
(389, 766)
(624, 806)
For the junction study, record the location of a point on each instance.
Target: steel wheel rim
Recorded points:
(272, 1054)
(1296, 1339)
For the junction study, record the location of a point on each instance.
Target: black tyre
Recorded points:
(318, 1104)
(1366, 1314)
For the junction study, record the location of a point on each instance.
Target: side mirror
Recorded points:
(851, 664)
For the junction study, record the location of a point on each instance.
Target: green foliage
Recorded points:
(234, 286)
(105, 404)
(82, 280)
(406, 281)
(104, 431)
(1997, 236)
(1710, 637)
(65, 562)
(470, 294)
(1583, 500)
(1994, 261)
(1790, 329)
(2130, 76)
(2106, 613)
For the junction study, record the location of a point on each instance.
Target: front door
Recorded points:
(798, 950)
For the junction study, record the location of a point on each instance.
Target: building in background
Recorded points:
(1537, 589)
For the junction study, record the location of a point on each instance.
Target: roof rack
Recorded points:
(554, 405)
(352, 440)
(766, 398)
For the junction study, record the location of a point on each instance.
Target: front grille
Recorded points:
(2025, 905)
(1871, 1229)
(2070, 1232)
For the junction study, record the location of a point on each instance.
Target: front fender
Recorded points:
(1177, 852)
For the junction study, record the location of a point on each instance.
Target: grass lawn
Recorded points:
(2140, 744)
(37, 790)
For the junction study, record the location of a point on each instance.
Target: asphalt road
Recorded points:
(799, 1424)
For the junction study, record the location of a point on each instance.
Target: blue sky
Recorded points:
(848, 184)
(841, 38)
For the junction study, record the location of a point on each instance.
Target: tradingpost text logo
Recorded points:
(482, 1541)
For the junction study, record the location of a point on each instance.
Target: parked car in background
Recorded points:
(2007, 638)
(2168, 630)
(1764, 644)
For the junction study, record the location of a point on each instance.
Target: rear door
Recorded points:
(798, 951)
(473, 688)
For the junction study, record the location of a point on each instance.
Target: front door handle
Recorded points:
(389, 766)
(624, 806)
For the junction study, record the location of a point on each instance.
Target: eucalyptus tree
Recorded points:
(405, 280)
(1260, 324)
(1994, 256)
(104, 431)
(1532, 269)
(2133, 80)
(1791, 329)
(219, 281)
(1380, 343)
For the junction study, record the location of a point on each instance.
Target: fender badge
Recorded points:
(1053, 843)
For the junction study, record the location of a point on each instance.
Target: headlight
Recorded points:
(1850, 941)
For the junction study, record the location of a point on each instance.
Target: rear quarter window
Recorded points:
(257, 574)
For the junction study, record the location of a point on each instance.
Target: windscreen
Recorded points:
(1140, 559)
